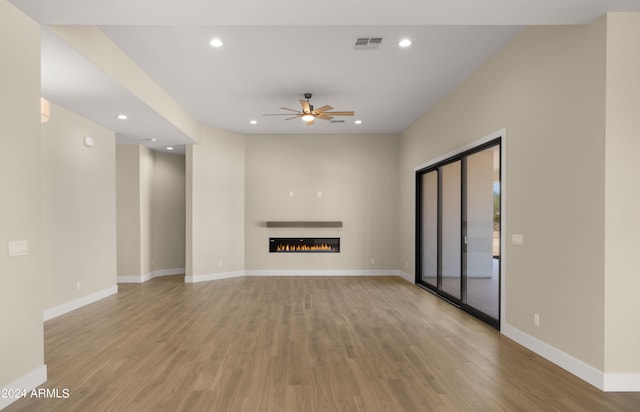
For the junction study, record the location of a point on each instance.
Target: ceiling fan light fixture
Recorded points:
(307, 117)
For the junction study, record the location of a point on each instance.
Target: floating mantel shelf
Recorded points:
(305, 224)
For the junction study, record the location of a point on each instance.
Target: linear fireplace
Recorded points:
(304, 245)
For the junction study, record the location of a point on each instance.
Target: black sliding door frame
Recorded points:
(437, 289)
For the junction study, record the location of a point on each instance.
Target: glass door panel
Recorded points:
(451, 212)
(482, 211)
(429, 229)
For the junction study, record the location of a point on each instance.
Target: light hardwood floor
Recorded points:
(296, 344)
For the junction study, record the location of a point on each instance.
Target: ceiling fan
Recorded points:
(309, 113)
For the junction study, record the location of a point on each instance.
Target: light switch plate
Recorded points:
(517, 240)
(18, 248)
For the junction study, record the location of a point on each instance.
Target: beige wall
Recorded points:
(78, 208)
(168, 212)
(622, 201)
(21, 344)
(128, 209)
(215, 204)
(147, 170)
(357, 176)
(547, 89)
(151, 213)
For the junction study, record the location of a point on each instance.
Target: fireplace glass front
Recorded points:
(304, 245)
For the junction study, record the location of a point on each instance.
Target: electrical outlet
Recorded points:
(536, 319)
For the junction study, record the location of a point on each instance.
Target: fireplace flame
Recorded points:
(304, 248)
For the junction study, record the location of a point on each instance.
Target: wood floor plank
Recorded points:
(287, 344)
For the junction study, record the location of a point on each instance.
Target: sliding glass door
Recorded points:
(451, 230)
(482, 218)
(429, 228)
(458, 230)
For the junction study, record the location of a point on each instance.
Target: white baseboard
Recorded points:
(149, 276)
(577, 367)
(25, 384)
(213, 276)
(294, 272)
(621, 382)
(409, 278)
(607, 382)
(79, 302)
(130, 279)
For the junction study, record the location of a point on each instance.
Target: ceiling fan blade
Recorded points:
(277, 114)
(323, 109)
(310, 122)
(339, 113)
(323, 116)
(294, 117)
(306, 107)
(291, 110)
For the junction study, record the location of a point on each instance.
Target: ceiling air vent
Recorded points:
(367, 43)
(336, 121)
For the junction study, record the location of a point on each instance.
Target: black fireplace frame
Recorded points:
(304, 245)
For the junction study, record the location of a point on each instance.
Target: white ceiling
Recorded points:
(274, 51)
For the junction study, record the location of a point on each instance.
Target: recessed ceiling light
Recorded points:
(122, 116)
(404, 43)
(358, 122)
(253, 122)
(169, 148)
(216, 42)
